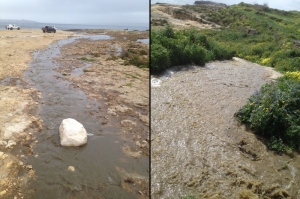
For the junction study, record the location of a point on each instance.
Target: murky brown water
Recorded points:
(100, 166)
(197, 146)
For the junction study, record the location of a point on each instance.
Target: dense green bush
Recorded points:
(190, 46)
(274, 112)
(159, 58)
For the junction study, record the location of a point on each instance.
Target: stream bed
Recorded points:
(100, 166)
(197, 146)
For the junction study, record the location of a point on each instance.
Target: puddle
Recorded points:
(93, 37)
(95, 164)
(79, 71)
(198, 148)
(145, 41)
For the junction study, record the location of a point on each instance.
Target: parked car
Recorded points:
(49, 29)
(12, 26)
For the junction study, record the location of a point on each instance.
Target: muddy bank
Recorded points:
(18, 106)
(198, 148)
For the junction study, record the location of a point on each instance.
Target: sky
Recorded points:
(93, 12)
(278, 4)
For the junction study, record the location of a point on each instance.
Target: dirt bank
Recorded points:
(197, 146)
(163, 14)
(17, 119)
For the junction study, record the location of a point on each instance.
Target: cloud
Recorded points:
(70, 11)
(278, 4)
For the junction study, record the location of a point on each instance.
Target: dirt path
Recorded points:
(198, 148)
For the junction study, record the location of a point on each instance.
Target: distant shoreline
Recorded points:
(38, 25)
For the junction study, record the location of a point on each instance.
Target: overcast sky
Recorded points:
(278, 4)
(95, 12)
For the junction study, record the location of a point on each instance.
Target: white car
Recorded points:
(12, 26)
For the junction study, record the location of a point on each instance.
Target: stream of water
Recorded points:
(197, 146)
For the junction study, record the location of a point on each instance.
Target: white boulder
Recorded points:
(72, 133)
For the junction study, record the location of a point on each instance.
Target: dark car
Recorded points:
(49, 29)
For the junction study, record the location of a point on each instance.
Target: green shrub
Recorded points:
(274, 112)
(173, 48)
(159, 58)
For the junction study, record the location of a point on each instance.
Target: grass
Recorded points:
(274, 44)
(133, 76)
(135, 58)
(185, 197)
(112, 57)
(87, 59)
(129, 84)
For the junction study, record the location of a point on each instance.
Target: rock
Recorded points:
(72, 133)
(10, 144)
(71, 168)
(3, 143)
(3, 192)
(10, 129)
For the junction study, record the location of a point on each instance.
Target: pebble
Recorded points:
(2, 192)
(71, 168)
(10, 144)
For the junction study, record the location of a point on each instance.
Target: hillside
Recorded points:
(257, 33)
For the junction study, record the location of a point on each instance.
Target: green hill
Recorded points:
(257, 33)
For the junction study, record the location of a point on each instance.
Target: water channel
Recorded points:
(197, 146)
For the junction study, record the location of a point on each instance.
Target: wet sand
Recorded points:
(197, 146)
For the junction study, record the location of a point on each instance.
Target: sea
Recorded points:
(24, 24)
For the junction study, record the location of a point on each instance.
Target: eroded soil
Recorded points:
(197, 146)
(161, 16)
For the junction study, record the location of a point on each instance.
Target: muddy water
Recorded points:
(100, 165)
(199, 149)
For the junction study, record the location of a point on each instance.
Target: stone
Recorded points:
(10, 144)
(3, 192)
(3, 143)
(72, 133)
(71, 168)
